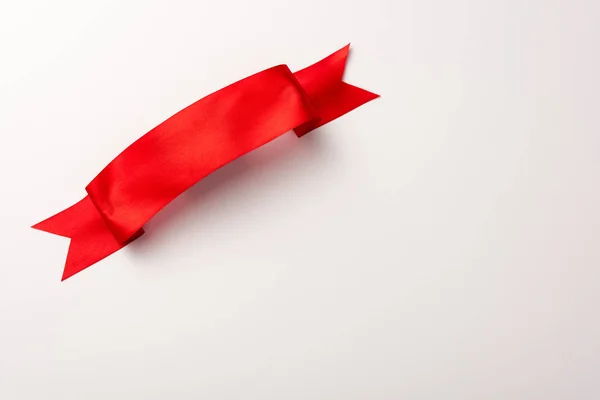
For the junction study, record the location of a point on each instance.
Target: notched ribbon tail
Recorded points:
(330, 95)
(91, 240)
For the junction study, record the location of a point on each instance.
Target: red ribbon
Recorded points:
(191, 144)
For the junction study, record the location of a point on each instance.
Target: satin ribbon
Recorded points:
(191, 144)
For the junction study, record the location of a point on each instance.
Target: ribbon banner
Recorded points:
(191, 144)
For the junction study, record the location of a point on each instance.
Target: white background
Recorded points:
(441, 242)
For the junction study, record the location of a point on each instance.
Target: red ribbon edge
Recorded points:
(194, 142)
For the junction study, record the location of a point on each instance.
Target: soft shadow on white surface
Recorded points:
(249, 175)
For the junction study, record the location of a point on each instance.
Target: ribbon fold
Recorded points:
(194, 142)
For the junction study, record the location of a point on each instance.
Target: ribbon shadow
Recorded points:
(235, 186)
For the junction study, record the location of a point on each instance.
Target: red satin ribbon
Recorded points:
(191, 144)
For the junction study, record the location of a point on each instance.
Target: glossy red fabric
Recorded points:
(191, 144)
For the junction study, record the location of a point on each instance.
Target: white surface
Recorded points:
(441, 242)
